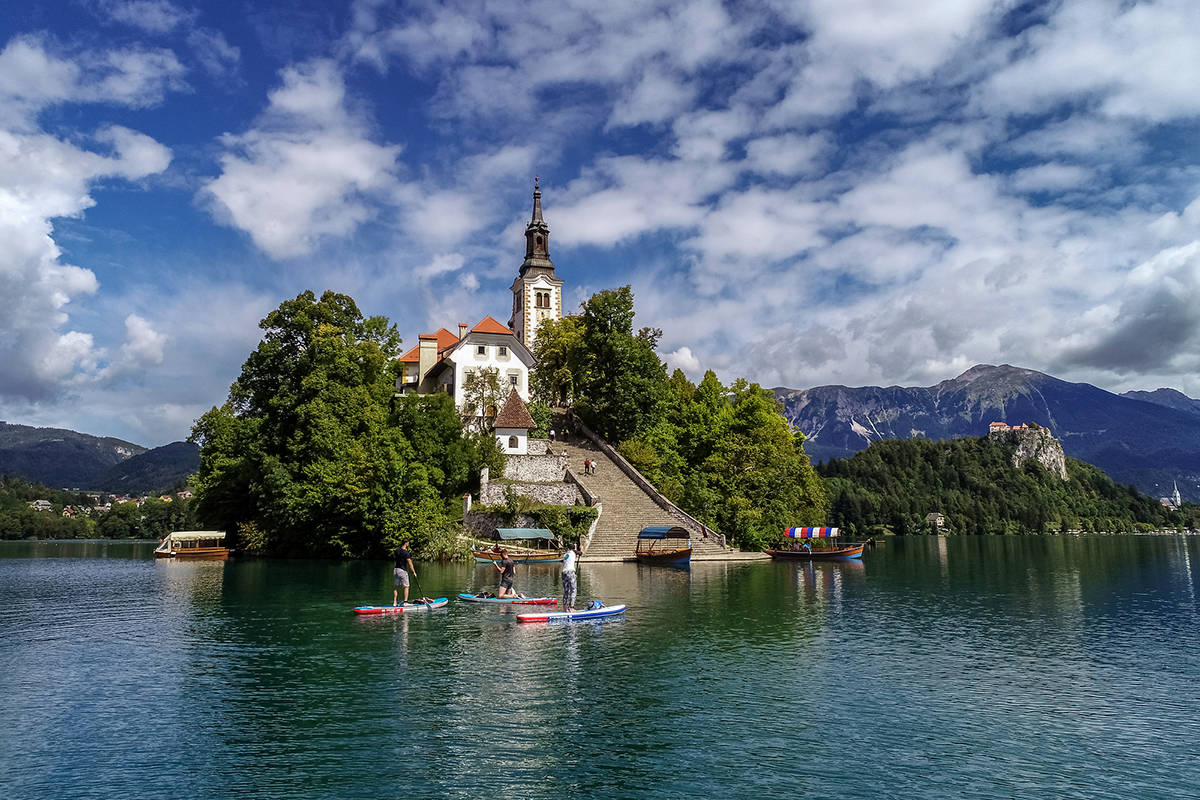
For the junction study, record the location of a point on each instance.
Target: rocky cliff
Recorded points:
(1033, 444)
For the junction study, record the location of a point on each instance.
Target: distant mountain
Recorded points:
(61, 458)
(162, 468)
(1143, 441)
(1169, 398)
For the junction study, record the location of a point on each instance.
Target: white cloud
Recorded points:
(683, 359)
(306, 171)
(144, 345)
(1125, 59)
(42, 178)
(152, 16)
(442, 264)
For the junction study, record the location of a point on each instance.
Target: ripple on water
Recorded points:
(934, 669)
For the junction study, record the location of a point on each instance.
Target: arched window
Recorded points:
(512, 442)
(538, 239)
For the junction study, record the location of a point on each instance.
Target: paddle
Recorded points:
(425, 598)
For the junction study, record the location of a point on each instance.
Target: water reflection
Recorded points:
(964, 667)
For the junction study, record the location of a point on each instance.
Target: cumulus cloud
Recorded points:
(43, 177)
(306, 170)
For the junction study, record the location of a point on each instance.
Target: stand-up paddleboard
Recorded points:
(572, 616)
(516, 601)
(404, 608)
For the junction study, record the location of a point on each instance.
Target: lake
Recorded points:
(1037, 667)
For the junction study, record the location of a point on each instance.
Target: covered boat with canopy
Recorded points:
(668, 545)
(522, 553)
(806, 552)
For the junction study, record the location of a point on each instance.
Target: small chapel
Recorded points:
(444, 361)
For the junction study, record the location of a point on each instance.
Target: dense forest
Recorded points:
(724, 454)
(894, 484)
(154, 519)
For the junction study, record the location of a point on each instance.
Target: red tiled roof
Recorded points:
(514, 414)
(489, 325)
(444, 338)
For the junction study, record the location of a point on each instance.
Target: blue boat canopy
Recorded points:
(664, 532)
(811, 533)
(524, 533)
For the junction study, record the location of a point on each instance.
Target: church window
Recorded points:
(481, 350)
(502, 351)
(512, 380)
(538, 239)
(512, 442)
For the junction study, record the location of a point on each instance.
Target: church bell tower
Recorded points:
(537, 291)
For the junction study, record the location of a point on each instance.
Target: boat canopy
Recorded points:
(811, 533)
(664, 532)
(524, 533)
(195, 536)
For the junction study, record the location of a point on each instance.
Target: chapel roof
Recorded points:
(514, 414)
(489, 325)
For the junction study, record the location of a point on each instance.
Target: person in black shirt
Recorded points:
(508, 573)
(402, 571)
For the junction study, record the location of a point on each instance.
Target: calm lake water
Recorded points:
(975, 667)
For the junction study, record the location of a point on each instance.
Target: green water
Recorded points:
(984, 668)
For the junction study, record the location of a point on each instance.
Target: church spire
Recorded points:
(537, 201)
(537, 236)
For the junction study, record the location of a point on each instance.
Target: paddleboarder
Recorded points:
(569, 579)
(402, 571)
(508, 573)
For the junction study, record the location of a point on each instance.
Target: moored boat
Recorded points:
(520, 554)
(193, 545)
(657, 544)
(808, 553)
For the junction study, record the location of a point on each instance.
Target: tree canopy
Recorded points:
(313, 455)
(724, 454)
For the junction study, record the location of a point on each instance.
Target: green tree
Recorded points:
(559, 349)
(622, 391)
(306, 453)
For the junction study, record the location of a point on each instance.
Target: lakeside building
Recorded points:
(444, 361)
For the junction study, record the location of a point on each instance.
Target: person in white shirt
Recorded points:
(569, 579)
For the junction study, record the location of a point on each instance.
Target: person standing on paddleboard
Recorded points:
(508, 573)
(568, 579)
(403, 569)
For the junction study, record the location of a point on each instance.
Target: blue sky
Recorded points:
(802, 193)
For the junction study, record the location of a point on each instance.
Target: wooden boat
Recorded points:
(424, 604)
(516, 601)
(193, 545)
(520, 554)
(519, 557)
(807, 553)
(653, 546)
(600, 610)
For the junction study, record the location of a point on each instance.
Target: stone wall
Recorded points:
(535, 469)
(538, 447)
(552, 494)
(483, 526)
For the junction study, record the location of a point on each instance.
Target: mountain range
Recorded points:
(1148, 439)
(61, 458)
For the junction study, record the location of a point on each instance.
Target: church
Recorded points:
(444, 361)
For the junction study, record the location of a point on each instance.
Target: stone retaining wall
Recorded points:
(535, 469)
(552, 494)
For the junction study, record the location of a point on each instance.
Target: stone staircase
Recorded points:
(626, 506)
